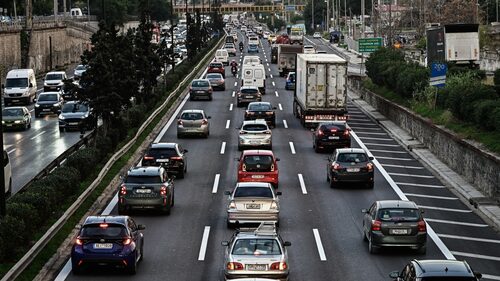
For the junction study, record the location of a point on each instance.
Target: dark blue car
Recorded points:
(114, 241)
(252, 48)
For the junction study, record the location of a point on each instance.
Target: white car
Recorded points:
(54, 80)
(317, 35)
(266, 34)
(309, 49)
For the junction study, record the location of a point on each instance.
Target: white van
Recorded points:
(7, 172)
(222, 55)
(252, 60)
(76, 12)
(254, 75)
(20, 86)
(54, 81)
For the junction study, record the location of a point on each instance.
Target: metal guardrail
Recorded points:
(23, 263)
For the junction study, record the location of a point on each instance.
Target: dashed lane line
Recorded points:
(37, 135)
(228, 122)
(216, 183)
(292, 148)
(420, 185)
(271, 75)
(371, 133)
(456, 222)
(285, 124)
(445, 209)
(302, 184)
(276, 93)
(274, 85)
(477, 256)
(235, 83)
(382, 144)
(388, 151)
(319, 245)
(280, 107)
(394, 158)
(204, 243)
(234, 93)
(490, 277)
(371, 138)
(403, 167)
(223, 147)
(431, 196)
(231, 107)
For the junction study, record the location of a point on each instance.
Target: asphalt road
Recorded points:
(173, 244)
(32, 150)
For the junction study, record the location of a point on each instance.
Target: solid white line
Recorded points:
(457, 223)
(64, 272)
(388, 151)
(274, 84)
(270, 75)
(319, 245)
(235, 83)
(302, 184)
(285, 124)
(228, 122)
(469, 238)
(361, 124)
(430, 231)
(292, 148)
(431, 196)
(234, 93)
(490, 277)
(420, 185)
(37, 135)
(370, 138)
(445, 209)
(276, 93)
(10, 151)
(174, 116)
(405, 167)
(394, 158)
(366, 128)
(231, 107)
(216, 183)
(470, 255)
(412, 176)
(381, 144)
(370, 133)
(279, 105)
(204, 243)
(223, 147)
(110, 206)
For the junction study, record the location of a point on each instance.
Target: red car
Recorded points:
(258, 166)
(217, 67)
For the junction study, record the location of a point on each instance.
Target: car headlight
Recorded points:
(3, 122)
(17, 121)
(55, 104)
(84, 116)
(61, 117)
(37, 105)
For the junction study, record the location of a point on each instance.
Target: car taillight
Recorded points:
(176, 158)
(274, 205)
(123, 190)
(333, 130)
(78, 241)
(369, 166)
(376, 225)
(279, 266)
(179, 122)
(234, 266)
(337, 167)
(210, 90)
(267, 132)
(244, 168)
(346, 132)
(249, 112)
(320, 133)
(204, 122)
(239, 94)
(163, 190)
(232, 205)
(190, 88)
(127, 241)
(148, 158)
(269, 113)
(422, 227)
(272, 167)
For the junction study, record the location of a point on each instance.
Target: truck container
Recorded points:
(462, 43)
(320, 88)
(286, 58)
(296, 34)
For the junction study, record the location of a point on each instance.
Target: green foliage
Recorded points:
(84, 160)
(422, 43)
(496, 80)
(486, 114)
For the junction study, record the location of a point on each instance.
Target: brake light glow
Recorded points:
(78, 241)
(234, 266)
(376, 225)
(269, 113)
(346, 132)
(148, 158)
(422, 227)
(176, 158)
(336, 166)
(333, 130)
(123, 190)
(127, 241)
(103, 225)
(279, 266)
(163, 190)
(369, 166)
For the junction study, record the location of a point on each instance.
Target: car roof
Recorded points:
(255, 121)
(192, 111)
(106, 219)
(52, 92)
(144, 171)
(350, 150)
(443, 268)
(265, 230)
(198, 80)
(396, 204)
(56, 72)
(163, 145)
(258, 152)
(253, 184)
(259, 102)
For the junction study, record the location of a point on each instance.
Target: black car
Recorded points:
(48, 103)
(331, 135)
(77, 115)
(169, 155)
(261, 110)
(248, 94)
(274, 54)
(443, 270)
(350, 165)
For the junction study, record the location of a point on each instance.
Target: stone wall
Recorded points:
(479, 167)
(10, 50)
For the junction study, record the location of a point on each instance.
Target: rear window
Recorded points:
(96, 231)
(143, 179)
(165, 152)
(191, 116)
(54, 77)
(200, 83)
(333, 127)
(256, 247)
(47, 97)
(352, 157)
(253, 191)
(255, 127)
(214, 76)
(249, 91)
(259, 107)
(398, 214)
(258, 163)
(216, 65)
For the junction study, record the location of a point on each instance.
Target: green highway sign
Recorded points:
(369, 45)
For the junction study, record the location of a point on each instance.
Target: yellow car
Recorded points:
(271, 38)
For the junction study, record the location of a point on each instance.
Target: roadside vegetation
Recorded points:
(465, 105)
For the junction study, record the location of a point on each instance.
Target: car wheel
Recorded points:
(181, 174)
(191, 98)
(26, 126)
(316, 148)
(333, 184)
(422, 250)
(37, 115)
(166, 209)
(29, 124)
(173, 200)
(238, 104)
(240, 148)
(132, 269)
(210, 98)
(372, 248)
(179, 136)
(76, 270)
(142, 251)
(363, 233)
(229, 225)
(9, 189)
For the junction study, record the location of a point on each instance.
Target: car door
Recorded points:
(369, 217)
(134, 233)
(181, 153)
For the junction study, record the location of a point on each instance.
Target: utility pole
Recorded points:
(327, 15)
(362, 18)
(312, 14)
(2, 175)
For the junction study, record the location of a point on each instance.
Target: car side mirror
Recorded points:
(141, 227)
(278, 193)
(227, 192)
(478, 275)
(185, 151)
(225, 243)
(371, 158)
(394, 274)
(287, 244)
(364, 211)
(209, 117)
(277, 159)
(34, 100)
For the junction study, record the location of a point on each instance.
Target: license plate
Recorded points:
(333, 138)
(352, 170)
(162, 160)
(200, 92)
(103, 246)
(253, 206)
(8, 125)
(73, 123)
(143, 191)
(257, 176)
(398, 231)
(256, 267)
(46, 109)
(248, 97)
(15, 100)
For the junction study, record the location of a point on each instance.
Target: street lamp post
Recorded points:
(327, 15)
(312, 13)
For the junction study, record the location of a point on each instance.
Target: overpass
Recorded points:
(229, 8)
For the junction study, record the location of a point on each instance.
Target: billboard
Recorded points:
(435, 45)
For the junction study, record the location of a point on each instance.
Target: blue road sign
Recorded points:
(438, 74)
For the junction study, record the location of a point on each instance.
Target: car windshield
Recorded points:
(80, 67)
(54, 77)
(253, 191)
(200, 83)
(352, 157)
(47, 97)
(254, 127)
(74, 107)
(12, 112)
(249, 91)
(257, 247)
(96, 231)
(191, 116)
(16, 83)
(259, 107)
(258, 163)
(398, 214)
(142, 179)
(165, 152)
(214, 76)
(229, 46)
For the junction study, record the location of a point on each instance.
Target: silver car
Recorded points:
(256, 253)
(255, 133)
(193, 122)
(216, 81)
(252, 202)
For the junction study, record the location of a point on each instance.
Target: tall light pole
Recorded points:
(362, 18)
(327, 15)
(497, 10)
(312, 14)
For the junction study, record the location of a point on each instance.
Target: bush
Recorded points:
(26, 213)
(84, 160)
(13, 234)
(496, 80)
(484, 113)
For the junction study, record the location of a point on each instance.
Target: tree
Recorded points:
(458, 11)
(191, 37)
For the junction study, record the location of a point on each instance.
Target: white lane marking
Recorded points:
(469, 238)
(237, 76)
(231, 107)
(276, 93)
(471, 255)
(361, 124)
(411, 176)
(269, 69)
(228, 122)
(279, 105)
(10, 151)
(403, 167)
(490, 277)
(430, 196)
(394, 158)
(64, 272)
(235, 83)
(445, 209)
(430, 231)
(204, 243)
(370, 138)
(267, 63)
(292, 148)
(274, 84)
(457, 222)
(381, 144)
(216, 183)
(234, 93)
(319, 245)
(302, 184)
(366, 128)
(223, 147)
(32, 110)
(37, 135)
(386, 151)
(271, 75)
(110, 206)
(370, 133)
(285, 124)
(420, 185)
(174, 116)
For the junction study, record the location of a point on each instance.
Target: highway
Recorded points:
(174, 245)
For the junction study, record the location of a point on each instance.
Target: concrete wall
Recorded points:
(10, 50)
(490, 60)
(479, 167)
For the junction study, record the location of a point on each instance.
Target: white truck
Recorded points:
(286, 58)
(462, 43)
(297, 34)
(320, 89)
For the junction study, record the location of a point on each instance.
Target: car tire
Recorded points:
(333, 184)
(76, 270)
(37, 115)
(132, 269)
(179, 136)
(210, 98)
(166, 209)
(238, 104)
(181, 174)
(29, 125)
(122, 210)
(240, 148)
(372, 249)
(422, 250)
(364, 235)
(229, 225)
(61, 129)
(142, 251)
(26, 126)
(191, 98)
(316, 148)
(173, 200)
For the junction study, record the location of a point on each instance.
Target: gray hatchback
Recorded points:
(193, 122)
(350, 165)
(200, 88)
